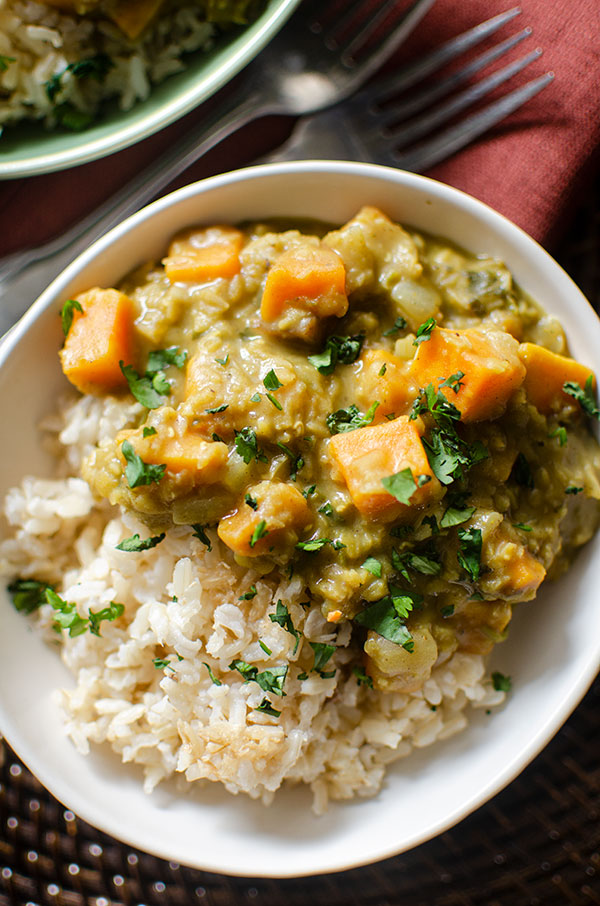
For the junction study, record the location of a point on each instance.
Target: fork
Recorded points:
(323, 54)
(380, 124)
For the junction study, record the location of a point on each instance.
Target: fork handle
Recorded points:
(24, 274)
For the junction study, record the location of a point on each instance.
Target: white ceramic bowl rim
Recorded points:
(566, 691)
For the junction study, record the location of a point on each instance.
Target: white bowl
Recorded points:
(553, 652)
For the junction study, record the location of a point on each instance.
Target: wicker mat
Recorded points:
(535, 844)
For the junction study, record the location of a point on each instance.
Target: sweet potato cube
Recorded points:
(490, 364)
(205, 461)
(394, 388)
(546, 373)
(367, 455)
(132, 16)
(201, 255)
(515, 573)
(280, 515)
(100, 337)
(312, 278)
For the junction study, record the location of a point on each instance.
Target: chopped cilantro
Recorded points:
(382, 617)
(283, 618)
(259, 532)
(362, 678)
(144, 386)
(350, 419)
(162, 663)
(223, 361)
(469, 554)
(573, 489)
(455, 381)
(148, 431)
(110, 613)
(248, 595)
(326, 509)
(501, 682)
(159, 359)
(296, 460)
(275, 402)
(344, 350)
(309, 491)
(217, 439)
(421, 563)
(95, 67)
(266, 707)
(431, 521)
(382, 370)
(28, 594)
(424, 331)
(316, 544)
(134, 544)
(399, 324)
(323, 653)
(4, 62)
(66, 614)
(265, 648)
(218, 409)
(447, 610)
(252, 503)
(271, 381)
(255, 398)
(402, 485)
(217, 682)
(246, 445)
(372, 566)
(137, 472)
(66, 314)
(201, 535)
(585, 396)
(456, 512)
(522, 526)
(561, 434)
(521, 472)
(271, 680)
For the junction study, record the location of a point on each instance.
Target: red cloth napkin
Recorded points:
(530, 167)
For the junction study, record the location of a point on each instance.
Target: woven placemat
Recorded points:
(535, 844)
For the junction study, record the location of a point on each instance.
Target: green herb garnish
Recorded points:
(248, 595)
(200, 534)
(266, 707)
(251, 501)
(217, 682)
(323, 653)
(271, 680)
(136, 544)
(4, 62)
(283, 618)
(218, 409)
(372, 566)
(247, 447)
(573, 489)
(66, 314)
(469, 554)
(159, 359)
(146, 388)
(316, 544)
(383, 617)
(350, 419)
(584, 395)
(344, 350)
(28, 594)
(521, 472)
(66, 616)
(265, 648)
(501, 682)
(424, 331)
(271, 381)
(561, 434)
(148, 431)
(362, 678)
(402, 485)
(259, 532)
(110, 613)
(399, 324)
(138, 472)
(296, 460)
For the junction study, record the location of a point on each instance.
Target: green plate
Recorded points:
(29, 149)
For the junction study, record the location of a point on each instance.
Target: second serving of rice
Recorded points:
(333, 734)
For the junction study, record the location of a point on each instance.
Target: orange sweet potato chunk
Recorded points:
(204, 460)
(546, 373)
(201, 255)
(308, 277)
(132, 16)
(100, 337)
(281, 514)
(367, 455)
(490, 364)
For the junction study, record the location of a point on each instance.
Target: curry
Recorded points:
(374, 410)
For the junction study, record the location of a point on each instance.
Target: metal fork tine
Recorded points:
(405, 24)
(451, 140)
(426, 98)
(422, 125)
(418, 71)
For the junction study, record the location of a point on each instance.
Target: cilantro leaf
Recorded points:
(248, 595)
(4, 62)
(372, 566)
(421, 563)
(401, 485)
(344, 350)
(350, 419)
(252, 503)
(214, 680)
(137, 472)
(398, 325)
(573, 489)
(501, 682)
(109, 613)
(265, 648)
(296, 460)
(217, 409)
(142, 387)
(323, 653)
(259, 532)
(424, 331)
(136, 544)
(270, 680)
(148, 431)
(201, 535)
(362, 678)
(95, 67)
(316, 544)
(561, 434)
(224, 361)
(66, 314)
(162, 663)
(456, 512)
(266, 707)
(585, 396)
(159, 359)
(282, 618)
(523, 526)
(275, 402)
(271, 381)
(309, 491)
(248, 671)
(455, 381)
(382, 617)
(469, 554)
(66, 614)
(246, 446)
(28, 594)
